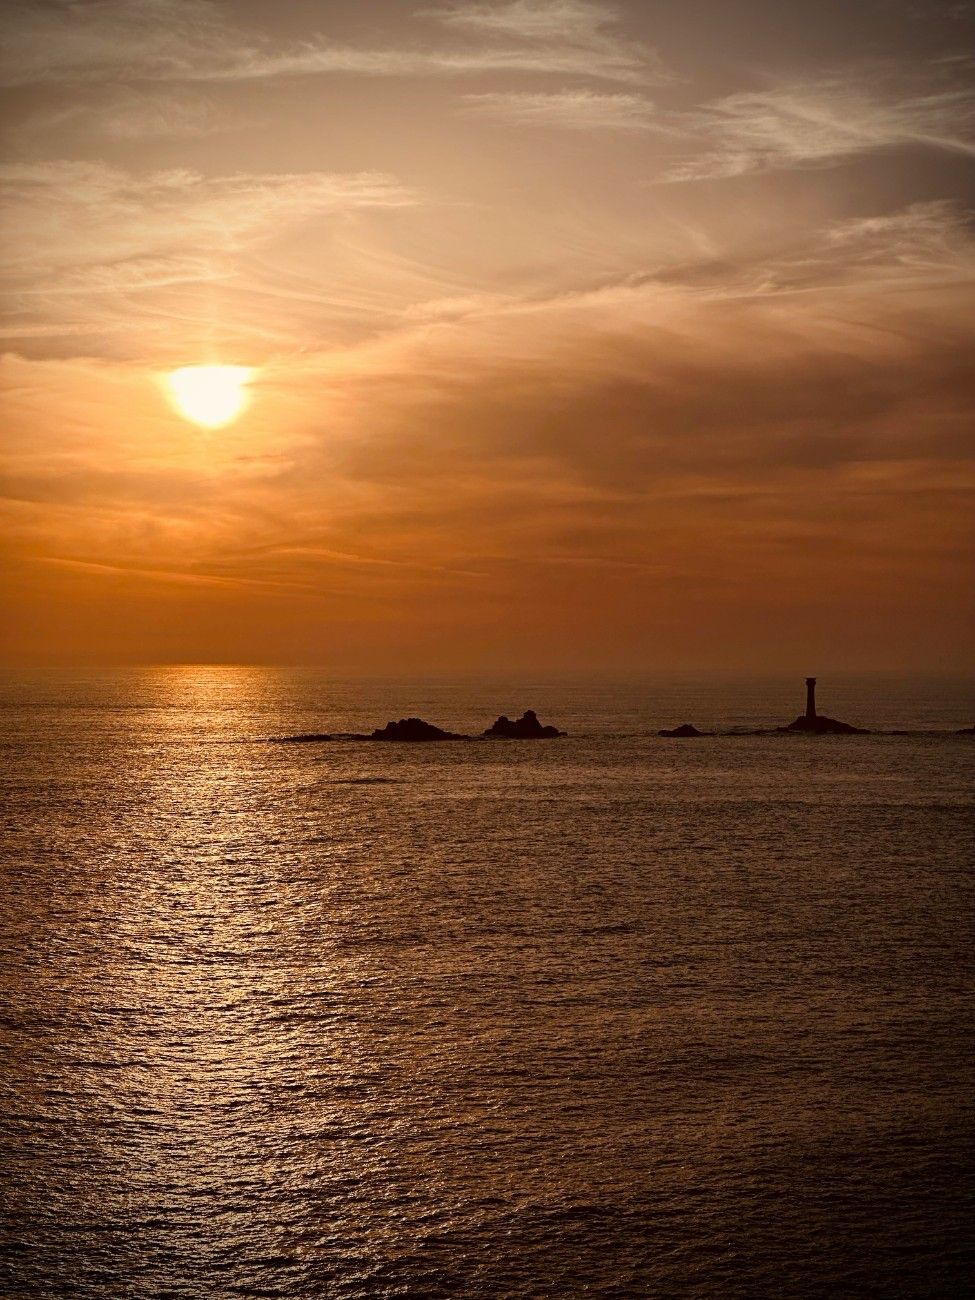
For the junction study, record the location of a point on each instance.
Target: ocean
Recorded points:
(610, 1015)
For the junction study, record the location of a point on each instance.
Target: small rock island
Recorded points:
(306, 738)
(685, 730)
(817, 723)
(527, 727)
(413, 730)
(408, 730)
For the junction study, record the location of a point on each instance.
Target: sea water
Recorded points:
(611, 1015)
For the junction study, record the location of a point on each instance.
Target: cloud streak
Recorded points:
(823, 122)
(554, 25)
(192, 40)
(575, 110)
(122, 115)
(579, 22)
(76, 229)
(809, 124)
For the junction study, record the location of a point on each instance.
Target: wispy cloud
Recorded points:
(813, 123)
(924, 241)
(708, 351)
(581, 22)
(816, 123)
(119, 114)
(577, 110)
(555, 26)
(193, 40)
(69, 41)
(314, 59)
(187, 576)
(921, 246)
(75, 224)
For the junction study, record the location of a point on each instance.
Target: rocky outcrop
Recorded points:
(966, 731)
(310, 739)
(527, 727)
(413, 730)
(410, 730)
(823, 726)
(685, 730)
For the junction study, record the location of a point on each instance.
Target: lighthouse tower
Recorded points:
(811, 699)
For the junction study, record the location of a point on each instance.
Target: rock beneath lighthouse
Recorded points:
(820, 725)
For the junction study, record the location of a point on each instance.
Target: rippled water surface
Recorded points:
(610, 1015)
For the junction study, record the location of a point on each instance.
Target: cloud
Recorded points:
(579, 22)
(558, 25)
(577, 110)
(689, 446)
(807, 124)
(158, 575)
(120, 115)
(66, 40)
(192, 40)
(315, 59)
(85, 227)
(828, 351)
(818, 123)
(926, 242)
(921, 246)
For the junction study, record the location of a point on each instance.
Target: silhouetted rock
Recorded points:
(527, 727)
(406, 729)
(311, 738)
(823, 726)
(413, 730)
(685, 730)
(966, 731)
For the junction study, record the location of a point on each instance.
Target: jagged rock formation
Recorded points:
(527, 727)
(685, 730)
(412, 730)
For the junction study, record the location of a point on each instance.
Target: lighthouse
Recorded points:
(811, 699)
(817, 723)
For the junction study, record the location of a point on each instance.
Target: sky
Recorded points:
(581, 336)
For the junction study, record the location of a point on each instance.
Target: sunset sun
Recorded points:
(211, 396)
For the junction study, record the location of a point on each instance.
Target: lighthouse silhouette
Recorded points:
(818, 724)
(811, 698)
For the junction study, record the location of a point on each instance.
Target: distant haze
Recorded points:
(582, 336)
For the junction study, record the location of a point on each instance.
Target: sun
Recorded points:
(211, 396)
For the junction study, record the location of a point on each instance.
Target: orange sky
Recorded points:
(585, 336)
